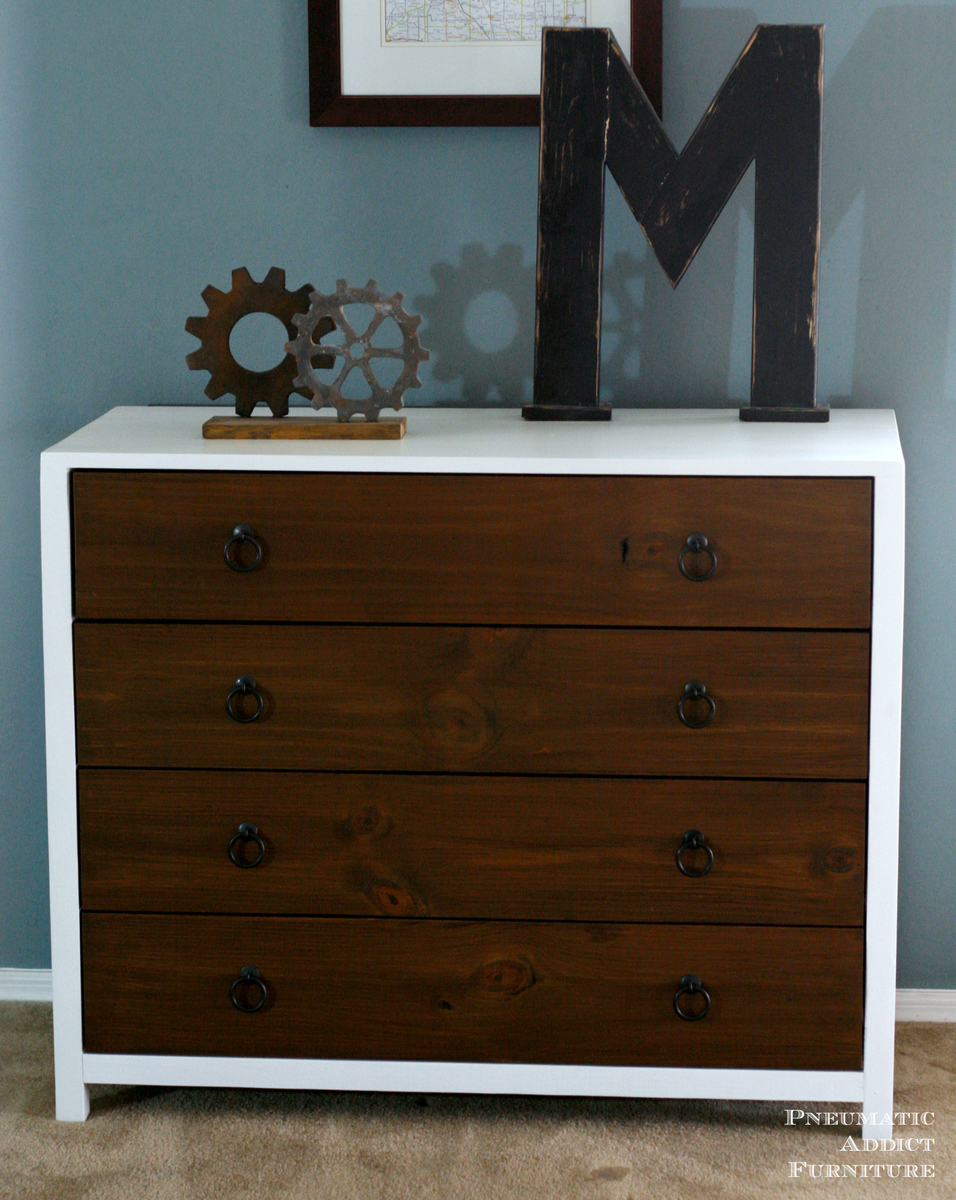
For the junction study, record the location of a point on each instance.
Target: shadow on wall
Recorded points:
(293, 18)
(622, 327)
(480, 326)
(661, 346)
(889, 138)
(480, 319)
(890, 134)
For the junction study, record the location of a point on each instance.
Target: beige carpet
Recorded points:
(180, 1144)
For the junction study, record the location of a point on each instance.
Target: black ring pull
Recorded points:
(245, 686)
(695, 690)
(249, 977)
(697, 544)
(694, 840)
(250, 833)
(690, 985)
(242, 535)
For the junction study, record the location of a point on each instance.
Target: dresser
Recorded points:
(505, 758)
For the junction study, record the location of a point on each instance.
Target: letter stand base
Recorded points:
(566, 412)
(820, 413)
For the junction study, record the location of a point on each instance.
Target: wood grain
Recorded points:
(303, 428)
(421, 698)
(508, 847)
(486, 549)
(487, 991)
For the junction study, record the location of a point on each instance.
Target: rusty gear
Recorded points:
(356, 350)
(226, 309)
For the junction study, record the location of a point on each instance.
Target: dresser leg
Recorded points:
(878, 1102)
(72, 1095)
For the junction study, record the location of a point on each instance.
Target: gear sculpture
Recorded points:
(226, 309)
(357, 350)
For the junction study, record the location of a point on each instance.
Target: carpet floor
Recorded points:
(190, 1143)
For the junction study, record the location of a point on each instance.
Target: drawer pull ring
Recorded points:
(690, 985)
(249, 977)
(697, 544)
(242, 535)
(250, 833)
(245, 686)
(694, 840)
(696, 691)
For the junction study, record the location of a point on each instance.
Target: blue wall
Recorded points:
(145, 150)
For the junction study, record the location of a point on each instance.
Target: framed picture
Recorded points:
(455, 62)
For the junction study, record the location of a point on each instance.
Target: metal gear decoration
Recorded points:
(357, 350)
(226, 309)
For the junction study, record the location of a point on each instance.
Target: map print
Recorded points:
(456, 21)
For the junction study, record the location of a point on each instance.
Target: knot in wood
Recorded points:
(393, 900)
(460, 723)
(508, 976)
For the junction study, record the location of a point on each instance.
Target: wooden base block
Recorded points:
(388, 428)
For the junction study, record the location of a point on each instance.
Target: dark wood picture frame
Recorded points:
(327, 105)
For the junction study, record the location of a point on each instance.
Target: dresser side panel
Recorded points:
(72, 1097)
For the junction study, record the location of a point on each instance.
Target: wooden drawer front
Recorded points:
(504, 847)
(458, 991)
(550, 550)
(559, 701)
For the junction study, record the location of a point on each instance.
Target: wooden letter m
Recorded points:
(594, 114)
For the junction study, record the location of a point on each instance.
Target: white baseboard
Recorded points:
(25, 985)
(912, 1004)
(925, 1004)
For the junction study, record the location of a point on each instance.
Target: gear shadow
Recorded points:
(622, 309)
(499, 378)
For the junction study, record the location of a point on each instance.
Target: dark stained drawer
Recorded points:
(484, 991)
(550, 550)
(500, 847)
(413, 698)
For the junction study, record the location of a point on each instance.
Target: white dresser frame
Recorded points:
(647, 442)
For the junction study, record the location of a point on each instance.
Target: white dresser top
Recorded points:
(499, 441)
